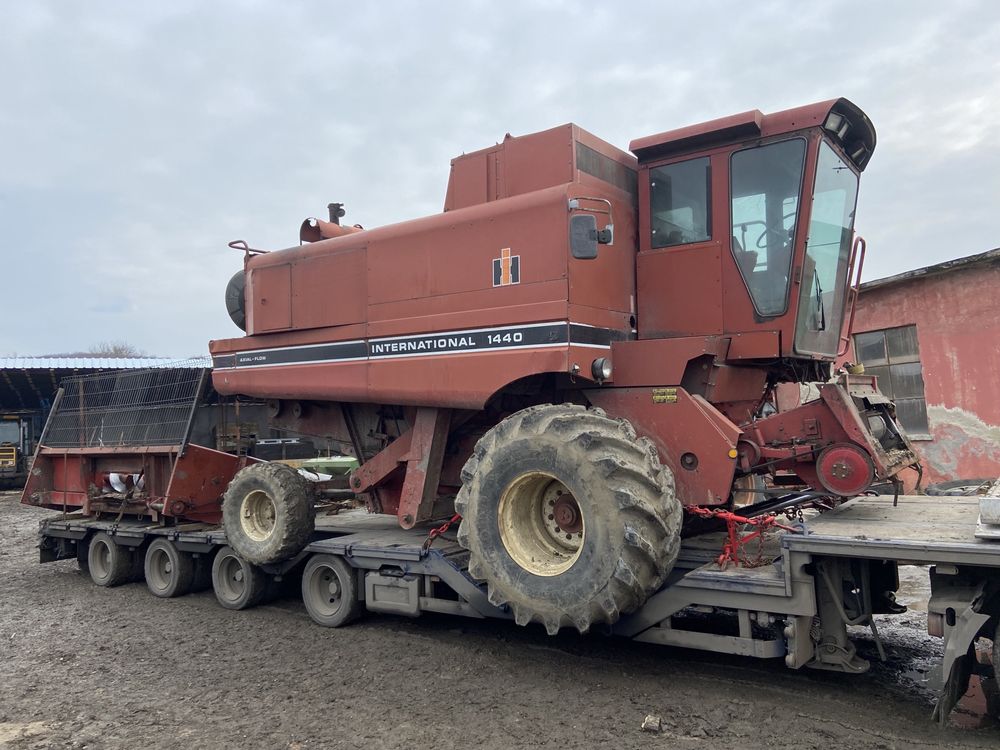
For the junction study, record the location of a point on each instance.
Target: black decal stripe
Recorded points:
(469, 341)
(583, 334)
(340, 351)
(224, 361)
(449, 342)
(579, 334)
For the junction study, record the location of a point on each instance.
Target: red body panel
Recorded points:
(184, 486)
(434, 275)
(681, 426)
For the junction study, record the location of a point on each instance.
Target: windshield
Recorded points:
(765, 185)
(10, 432)
(828, 251)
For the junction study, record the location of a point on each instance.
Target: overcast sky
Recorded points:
(137, 139)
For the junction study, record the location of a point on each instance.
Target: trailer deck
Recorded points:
(792, 605)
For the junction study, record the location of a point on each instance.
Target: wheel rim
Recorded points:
(257, 513)
(101, 561)
(161, 569)
(541, 525)
(325, 591)
(232, 578)
(745, 490)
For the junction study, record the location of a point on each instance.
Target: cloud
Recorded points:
(136, 140)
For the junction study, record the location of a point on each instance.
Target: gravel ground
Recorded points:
(82, 666)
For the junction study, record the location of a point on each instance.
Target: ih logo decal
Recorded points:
(506, 269)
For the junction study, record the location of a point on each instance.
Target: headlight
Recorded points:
(600, 368)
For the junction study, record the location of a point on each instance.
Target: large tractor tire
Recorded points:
(568, 516)
(268, 513)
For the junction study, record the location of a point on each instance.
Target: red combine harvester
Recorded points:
(580, 345)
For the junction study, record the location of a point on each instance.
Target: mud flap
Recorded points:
(955, 686)
(959, 603)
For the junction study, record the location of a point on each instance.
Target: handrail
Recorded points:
(853, 289)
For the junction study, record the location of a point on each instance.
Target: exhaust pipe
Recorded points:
(314, 230)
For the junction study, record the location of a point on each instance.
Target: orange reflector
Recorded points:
(733, 453)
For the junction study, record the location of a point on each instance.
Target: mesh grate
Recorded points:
(126, 408)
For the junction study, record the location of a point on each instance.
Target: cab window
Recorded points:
(679, 202)
(765, 185)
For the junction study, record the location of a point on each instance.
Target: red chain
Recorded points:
(734, 542)
(439, 530)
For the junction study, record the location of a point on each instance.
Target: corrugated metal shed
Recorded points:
(83, 363)
(30, 383)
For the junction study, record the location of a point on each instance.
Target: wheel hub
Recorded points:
(567, 514)
(333, 586)
(323, 590)
(102, 560)
(160, 568)
(257, 515)
(541, 524)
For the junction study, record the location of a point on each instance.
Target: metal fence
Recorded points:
(126, 408)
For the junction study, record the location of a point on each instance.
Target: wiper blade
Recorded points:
(820, 309)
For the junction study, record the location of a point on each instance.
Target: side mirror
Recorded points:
(583, 236)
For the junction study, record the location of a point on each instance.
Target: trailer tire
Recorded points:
(268, 513)
(237, 583)
(548, 470)
(110, 564)
(330, 591)
(168, 571)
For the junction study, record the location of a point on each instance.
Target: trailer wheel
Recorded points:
(330, 591)
(169, 572)
(237, 583)
(568, 516)
(109, 563)
(268, 513)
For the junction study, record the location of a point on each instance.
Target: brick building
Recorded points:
(932, 335)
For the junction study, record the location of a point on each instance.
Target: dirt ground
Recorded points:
(85, 667)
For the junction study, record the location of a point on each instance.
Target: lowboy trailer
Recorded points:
(832, 570)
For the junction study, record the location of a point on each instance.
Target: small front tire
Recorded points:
(268, 513)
